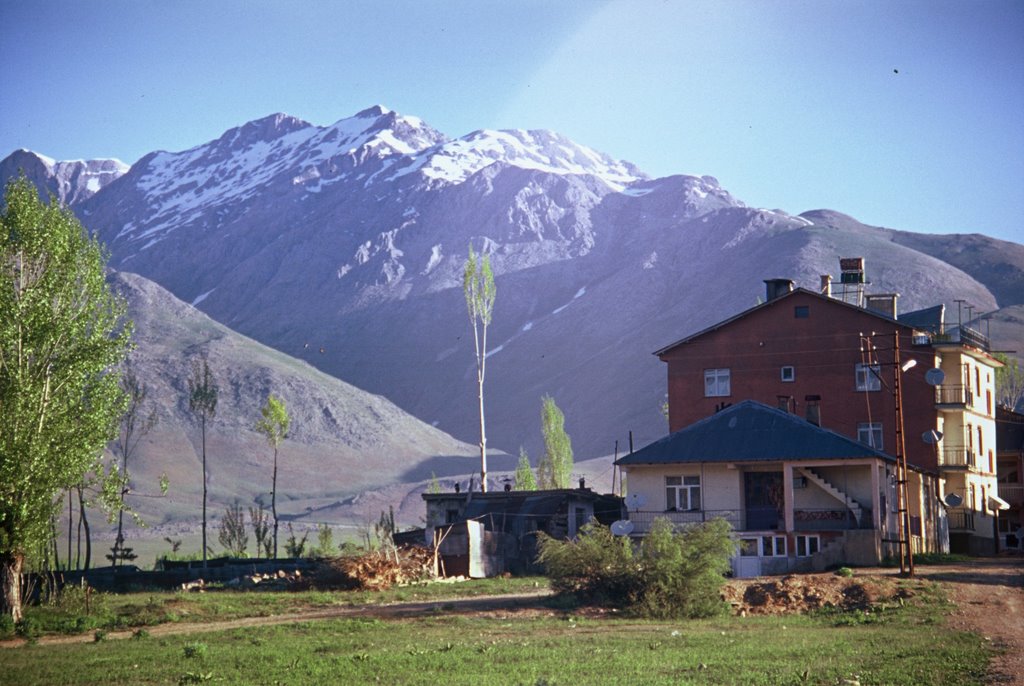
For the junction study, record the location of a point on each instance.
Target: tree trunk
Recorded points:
(10, 577)
(71, 521)
(84, 521)
(204, 489)
(273, 501)
(119, 541)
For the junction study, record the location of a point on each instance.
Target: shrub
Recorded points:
(596, 568)
(682, 572)
(672, 574)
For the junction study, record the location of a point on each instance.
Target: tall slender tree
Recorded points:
(479, 289)
(62, 336)
(135, 424)
(274, 426)
(525, 480)
(202, 400)
(557, 445)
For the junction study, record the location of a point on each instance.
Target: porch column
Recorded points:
(876, 501)
(787, 494)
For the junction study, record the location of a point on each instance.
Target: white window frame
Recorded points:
(773, 546)
(871, 434)
(763, 546)
(868, 377)
(717, 383)
(805, 543)
(682, 493)
(788, 374)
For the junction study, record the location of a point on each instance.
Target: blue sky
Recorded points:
(903, 114)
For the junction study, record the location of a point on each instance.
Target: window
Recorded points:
(773, 546)
(807, 546)
(869, 377)
(802, 311)
(788, 374)
(716, 383)
(764, 546)
(682, 493)
(870, 433)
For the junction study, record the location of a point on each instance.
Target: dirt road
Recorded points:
(989, 595)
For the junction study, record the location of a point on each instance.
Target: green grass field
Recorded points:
(895, 644)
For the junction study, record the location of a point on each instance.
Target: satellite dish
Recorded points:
(634, 501)
(934, 376)
(931, 436)
(623, 527)
(953, 500)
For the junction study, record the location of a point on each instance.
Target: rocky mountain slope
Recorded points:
(343, 440)
(343, 246)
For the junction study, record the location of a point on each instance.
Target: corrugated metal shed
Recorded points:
(751, 432)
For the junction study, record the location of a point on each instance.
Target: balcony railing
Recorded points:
(954, 395)
(818, 519)
(1012, 493)
(957, 457)
(804, 519)
(961, 519)
(643, 519)
(965, 336)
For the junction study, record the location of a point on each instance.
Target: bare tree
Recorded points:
(478, 287)
(202, 400)
(135, 424)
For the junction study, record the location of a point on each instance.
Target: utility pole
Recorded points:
(903, 491)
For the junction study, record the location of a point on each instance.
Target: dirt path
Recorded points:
(989, 595)
(448, 606)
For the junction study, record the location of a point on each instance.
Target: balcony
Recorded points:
(963, 336)
(954, 397)
(804, 519)
(642, 519)
(961, 519)
(1012, 493)
(819, 519)
(956, 457)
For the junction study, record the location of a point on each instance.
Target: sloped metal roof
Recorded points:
(751, 432)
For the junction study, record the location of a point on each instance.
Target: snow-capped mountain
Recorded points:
(344, 245)
(70, 181)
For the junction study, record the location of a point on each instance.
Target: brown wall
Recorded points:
(824, 349)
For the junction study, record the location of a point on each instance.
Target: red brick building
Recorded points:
(830, 357)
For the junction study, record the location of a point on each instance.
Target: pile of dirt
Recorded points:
(376, 570)
(803, 593)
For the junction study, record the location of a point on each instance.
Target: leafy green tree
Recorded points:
(1009, 381)
(434, 486)
(479, 289)
(525, 480)
(62, 336)
(274, 427)
(557, 458)
(202, 400)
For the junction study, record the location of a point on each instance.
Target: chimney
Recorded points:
(813, 405)
(826, 285)
(883, 303)
(776, 288)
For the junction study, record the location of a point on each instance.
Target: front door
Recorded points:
(762, 495)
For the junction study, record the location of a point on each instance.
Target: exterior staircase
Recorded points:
(823, 484)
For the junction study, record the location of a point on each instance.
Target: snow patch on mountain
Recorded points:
(455, 161)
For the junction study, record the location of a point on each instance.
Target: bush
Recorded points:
(596, 568)
(672, 574)
(682, 572)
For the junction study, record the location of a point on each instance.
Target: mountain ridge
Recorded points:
(346, 245)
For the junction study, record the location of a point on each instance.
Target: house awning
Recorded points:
(997, 503)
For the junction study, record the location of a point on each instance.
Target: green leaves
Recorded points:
(62, 336)
(275, 422)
